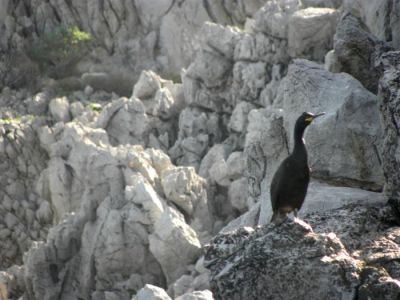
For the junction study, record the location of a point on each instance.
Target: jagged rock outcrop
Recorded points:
(100, 214)
(356, 50)
(310, 32)
(352, 121)
(24, 215)
(258, 263)
(252, 264)
(389, 106)
(381, 17)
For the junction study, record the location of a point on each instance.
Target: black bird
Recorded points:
(290, 182)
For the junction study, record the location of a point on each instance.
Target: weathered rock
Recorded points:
(147, 85)
(380, 17)
(389, 106)
(352, 123)
(174, 244)
(125, 121)
(22, 161)
(356, 50)
(218, 38)
(151, 292)
(197, 295)
(237, 194)
(322, 3)
(38, 104)
(273, 17)
(257, 264)
(239, 121)
(59, 109)
(197, 131)
(187, 190)
(310, 32)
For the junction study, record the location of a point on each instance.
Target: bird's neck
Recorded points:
(299, 145)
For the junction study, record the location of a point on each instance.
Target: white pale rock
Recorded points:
(182, 186)
(174, 244)
(147, 85)
(343, 144)
(59, 109)
(197, 295)
(310, 33)
(239, 121)
(273, 17)
(237, 194)
(151, 292)
(215, 37)
(139, 191)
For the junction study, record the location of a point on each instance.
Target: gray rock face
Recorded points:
(24, 215)
(350, 155)
(96, 224)
(389, 104)
(259, 263)
(252, 264)
(151, 292)
(356, 50)
(381, 17)
(310, 32)
(125, 121)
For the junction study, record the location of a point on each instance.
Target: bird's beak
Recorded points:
(318, 115)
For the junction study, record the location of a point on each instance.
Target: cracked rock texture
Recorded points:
(115, 175)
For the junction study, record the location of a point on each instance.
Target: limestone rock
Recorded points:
(151, 292)
(248, 80)
(356, 50)
(237, 194)
(187, 190)
(147, 85)
(38, 104)
(389, 103)
(250, 263)
(273, 17)
(197, 295)
(220, 39)
(59, 109)
(380, 17)
(238, 121)
(125, 121)
(352, 123)
(322, 3)
(174, 244)
(179, 33)
(310, 32)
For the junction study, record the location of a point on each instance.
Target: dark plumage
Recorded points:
(290, 182)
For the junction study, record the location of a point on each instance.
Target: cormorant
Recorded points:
(289, 184)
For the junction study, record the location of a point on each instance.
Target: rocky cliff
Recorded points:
(140, 168)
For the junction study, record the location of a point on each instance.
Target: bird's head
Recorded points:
(306, 118)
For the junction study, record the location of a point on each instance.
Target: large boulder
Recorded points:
(100, 229)
(125, 121)
(342, 145)
(310, 32)
(258, 264)
(356, 50)
(174, 244)
(381, 17)
(389, 103)
(352, 248)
